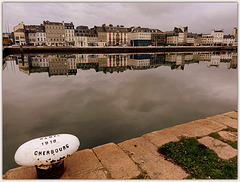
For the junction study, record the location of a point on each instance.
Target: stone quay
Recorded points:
(139, 156)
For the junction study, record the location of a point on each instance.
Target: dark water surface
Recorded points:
(111, 98)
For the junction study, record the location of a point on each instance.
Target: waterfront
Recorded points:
(144, 93)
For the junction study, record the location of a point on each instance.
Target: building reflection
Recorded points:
(56, 65)
(232, 64)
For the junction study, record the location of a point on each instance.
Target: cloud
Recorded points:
(200, 17)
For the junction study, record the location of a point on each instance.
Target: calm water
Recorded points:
(111, 98)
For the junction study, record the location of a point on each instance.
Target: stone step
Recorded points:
(200, 127)
(222, 149)
(116, 162)
(84, 165)
(224, 120)
(150, 161)
(24, 172)
(228, 135)
(232, 114)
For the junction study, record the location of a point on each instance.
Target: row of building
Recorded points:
(65, 34)
(68, 64)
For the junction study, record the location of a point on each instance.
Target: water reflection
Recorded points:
(144, 93)
(108, 63)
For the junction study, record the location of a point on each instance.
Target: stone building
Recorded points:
(55, 33)
(101, 34)
(217, 36)
(35, 35)
(207, 40)
(86, 36)
(141, 36)
(178, 36)
(172, 38)
(198, 40)
(228, 40)
(116, 35)
(158, 38)
(80, 41)
(69, 33)
(19, 34)
(182, 34)
(112, 35)
(191, 39)
(194, 39)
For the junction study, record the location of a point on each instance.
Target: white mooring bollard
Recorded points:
(47, 154)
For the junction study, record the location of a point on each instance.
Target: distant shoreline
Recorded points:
(103, 50)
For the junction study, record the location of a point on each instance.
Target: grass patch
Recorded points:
(198, 160)
(217, 136)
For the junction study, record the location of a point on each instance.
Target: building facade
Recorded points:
(207, 40)
(80, 41)
(217, 36)
(55, 33)
(69, 34)
(35, 35)
(86, 35)
(116, 35)
(228, 40)
(19, 34)
(158, 39)
(172, 38)
(141, 36)
(101, 35)
(182, 34)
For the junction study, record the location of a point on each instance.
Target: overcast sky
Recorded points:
(199, 17)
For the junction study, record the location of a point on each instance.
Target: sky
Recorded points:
(200, 17)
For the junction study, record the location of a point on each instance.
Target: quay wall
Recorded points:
(139, 156)
(102, 50)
